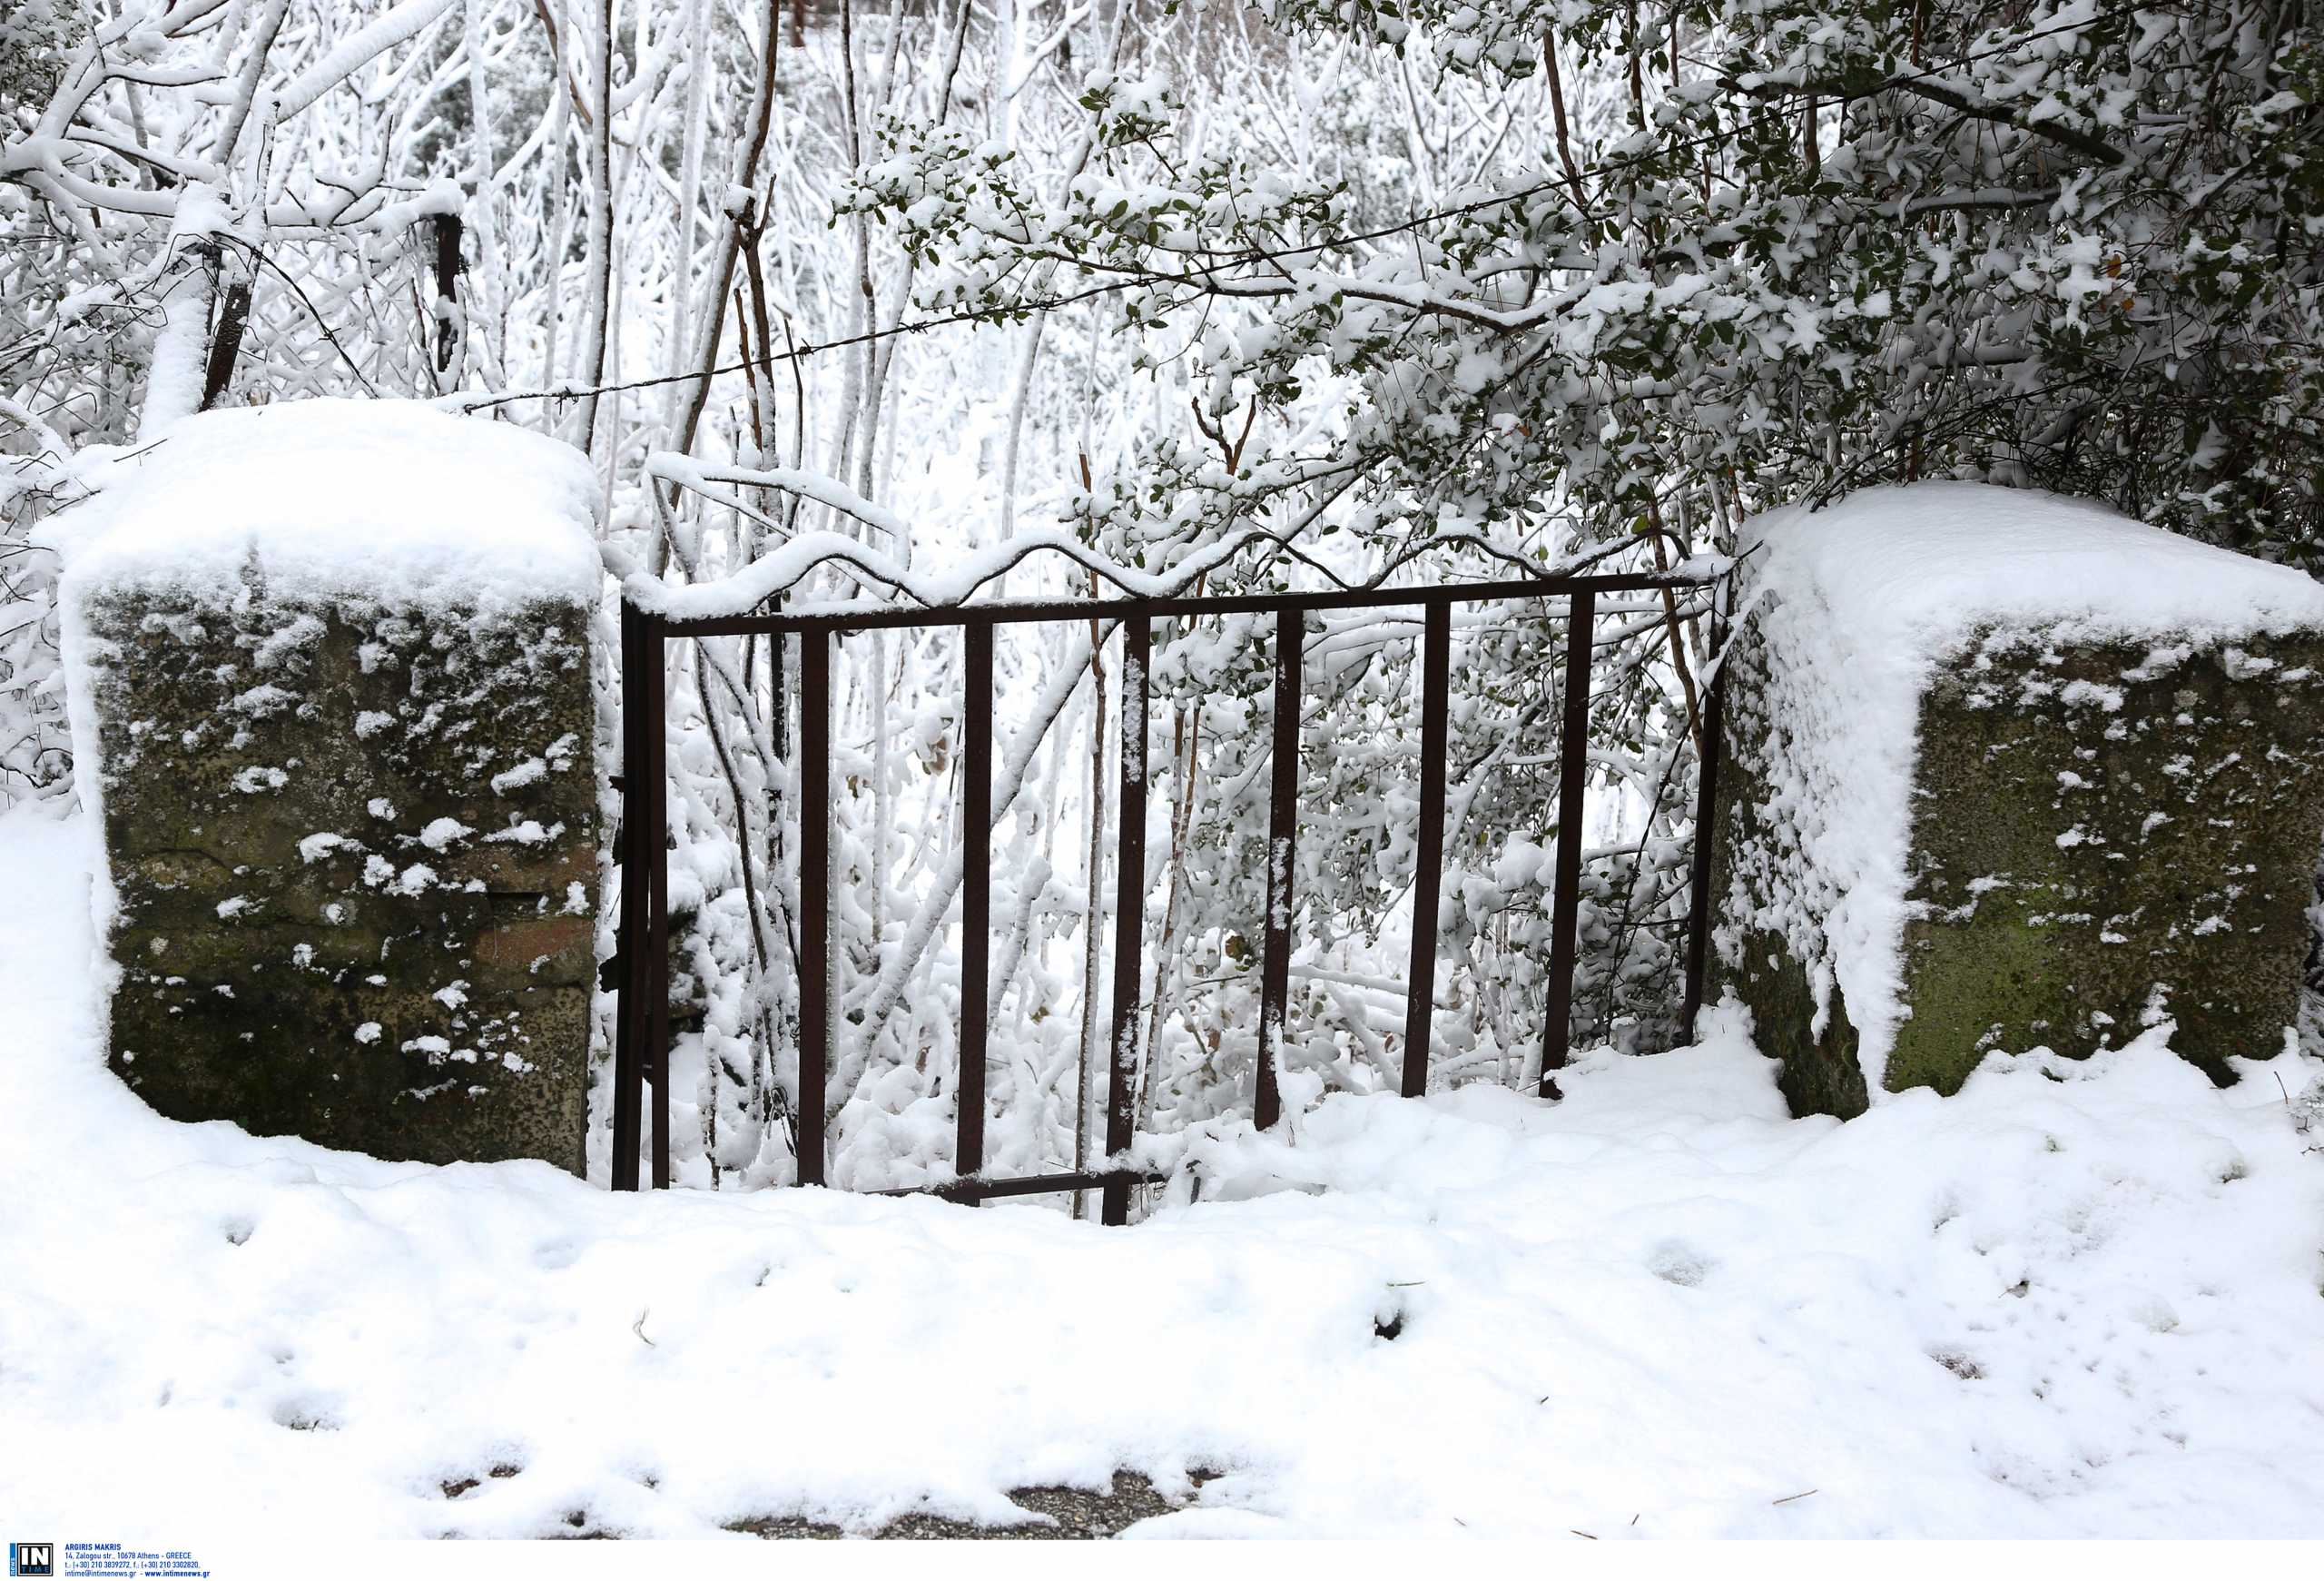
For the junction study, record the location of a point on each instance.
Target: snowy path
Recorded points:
(2044, 1308)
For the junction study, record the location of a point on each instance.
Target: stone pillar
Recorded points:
(342, 737)
(2074, 792)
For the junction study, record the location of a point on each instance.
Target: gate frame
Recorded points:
(641, 1017)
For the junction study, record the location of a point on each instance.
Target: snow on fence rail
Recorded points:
(653, 613)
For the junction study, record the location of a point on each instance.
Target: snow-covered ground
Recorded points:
(2074, 1299)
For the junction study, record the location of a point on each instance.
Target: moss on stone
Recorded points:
(305, 946)
(2101, 835)
(2106, 834)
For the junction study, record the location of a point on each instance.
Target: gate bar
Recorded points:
(1706, 814)
(1282, 829)
(632, 980)
(974, 1191)
(1129, 913)
(1428, 865)
(1013, 612)
(814, 897)
(976, 901)
(654, 835)
(1573, 748)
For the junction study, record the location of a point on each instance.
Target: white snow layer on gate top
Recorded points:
(393, 501)
(1856, 604)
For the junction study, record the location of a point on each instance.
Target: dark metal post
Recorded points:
(1705, 841)
(1129, 915)
(1283, 828)
(814, 897)
(448, 288)
(976, 903)
(226, 341)
(1428, 864)
(779, 688)
(632, 984)
(1573, 762)
(652, 799)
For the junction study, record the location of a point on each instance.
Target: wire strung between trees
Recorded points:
(1206, 277)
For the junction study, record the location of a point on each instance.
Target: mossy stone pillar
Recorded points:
(333, 699)
(2008, 772)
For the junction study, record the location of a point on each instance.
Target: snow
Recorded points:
(1858, 602)
(390, 501)
(2078, 1298)
(1922, 564)
(524, 774)
(316, 846)
(181, 345)
(444, 832)
(402, 22)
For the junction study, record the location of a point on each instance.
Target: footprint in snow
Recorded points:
(1959, 1363)
(304, 1416)
(1676, 1262)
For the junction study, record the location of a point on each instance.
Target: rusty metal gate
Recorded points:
(641, 1038)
